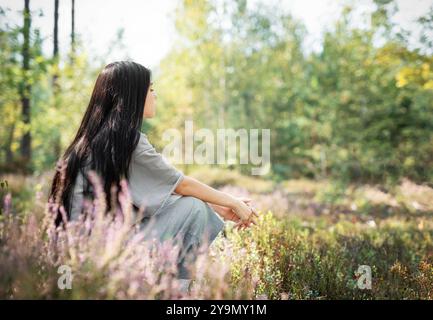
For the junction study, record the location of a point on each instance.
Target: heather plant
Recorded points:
(105, 252)
(290, 254)
(301, 259)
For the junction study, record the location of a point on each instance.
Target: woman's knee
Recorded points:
(197, 216)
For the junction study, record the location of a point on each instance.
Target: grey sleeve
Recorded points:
(152, 179)
(77, 198)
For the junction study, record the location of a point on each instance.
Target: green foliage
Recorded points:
(359, 109)
(312, 259)
(56, 112)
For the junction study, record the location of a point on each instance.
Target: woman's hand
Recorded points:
(229, 214)
(245, 213)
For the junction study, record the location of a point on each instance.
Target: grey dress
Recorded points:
(167, 215)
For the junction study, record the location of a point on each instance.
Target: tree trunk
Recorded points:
(8, 147)
(56, 86)
(56, 41)
(26, 140)
(72, 31)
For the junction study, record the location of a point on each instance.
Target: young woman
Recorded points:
(109, 142)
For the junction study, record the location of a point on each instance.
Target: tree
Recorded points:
(72, 54)
(26, 141)
(56, 85)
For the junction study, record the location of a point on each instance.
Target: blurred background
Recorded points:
(346, 88)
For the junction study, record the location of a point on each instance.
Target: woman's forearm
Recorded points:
(192, 187)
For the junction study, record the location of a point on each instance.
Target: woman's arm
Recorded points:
(192, 187)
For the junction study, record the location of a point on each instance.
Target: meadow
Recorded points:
(311, 239)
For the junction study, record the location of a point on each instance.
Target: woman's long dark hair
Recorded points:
(109, 132)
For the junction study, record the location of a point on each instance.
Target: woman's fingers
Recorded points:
(243, 211)
(253, 214)
(243, 224)
(240, 225)
(248, 201)
(234, 217)
(246, 213)
(254, 211)
(253, 221)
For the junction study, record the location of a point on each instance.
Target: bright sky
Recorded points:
(149, 30)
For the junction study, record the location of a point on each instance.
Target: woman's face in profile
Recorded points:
(150, 103)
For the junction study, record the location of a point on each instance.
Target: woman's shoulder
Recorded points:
(143, 143)
(143, 136)
(145, 150)
(146, 155)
